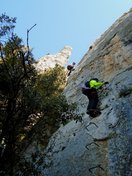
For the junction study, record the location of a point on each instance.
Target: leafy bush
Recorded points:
(31, 105)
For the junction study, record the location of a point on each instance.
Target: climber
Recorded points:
(90, 90)
(71, 68)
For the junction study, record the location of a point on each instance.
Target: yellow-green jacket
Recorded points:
(96, 84)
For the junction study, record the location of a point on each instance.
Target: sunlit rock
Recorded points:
(49, 61)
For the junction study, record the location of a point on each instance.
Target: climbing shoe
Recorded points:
(94, 112)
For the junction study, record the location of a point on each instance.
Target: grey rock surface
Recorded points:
(99, 146)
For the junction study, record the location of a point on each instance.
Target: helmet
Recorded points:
(73, 63)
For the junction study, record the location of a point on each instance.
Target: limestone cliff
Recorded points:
(50, 60)
(99, 146)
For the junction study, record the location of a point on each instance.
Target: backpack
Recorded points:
(85, 91)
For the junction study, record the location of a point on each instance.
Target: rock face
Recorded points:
(49, 61)
(99, 146)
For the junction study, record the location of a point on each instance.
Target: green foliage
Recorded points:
(7, 24)
(50, 86)
(16, 76)
(30, 104)
(53, 103)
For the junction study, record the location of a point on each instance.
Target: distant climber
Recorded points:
(71, 68)
(90, 47)
(90, 90)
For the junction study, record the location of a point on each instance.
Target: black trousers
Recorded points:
(93, 100)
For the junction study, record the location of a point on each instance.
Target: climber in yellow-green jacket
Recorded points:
(90, 90)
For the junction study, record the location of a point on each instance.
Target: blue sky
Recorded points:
(76, 23)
